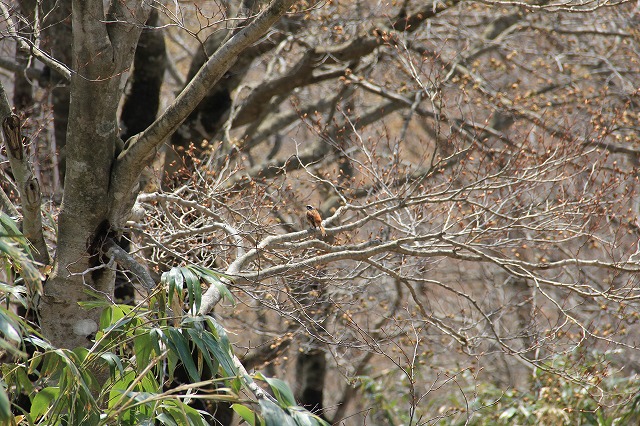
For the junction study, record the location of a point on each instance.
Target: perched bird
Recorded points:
(314, 218)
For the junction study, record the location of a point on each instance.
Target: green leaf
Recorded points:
(280, 389)
(106, 318)
(142, 420)
(247, 414)
(180, 346)
(180, 413)
(221, 351)
(155, 335)
(5, 407)
(190, 282)
(193, 287)
(8, 328)
(193, 416)
(176, 284)
(8, 224)
(166, 419)
(43, 401)
(303, 417)
(274, 415)
(150, 384)
(15, 247)
(40, 343)
(224, 291)
(201, 271)
(81, 354)
(113, 361)
(142, 347)
(10, 348)
(116, 317)
(141, 397)
(144, 393)
(20, 380)
(207, 352)
(118, 387)
(16, 292)
(214, 278)
(220, 333)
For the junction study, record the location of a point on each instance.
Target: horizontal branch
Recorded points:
(30, 72)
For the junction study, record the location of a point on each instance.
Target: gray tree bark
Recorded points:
(101, 54)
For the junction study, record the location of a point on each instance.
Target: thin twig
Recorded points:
(31, 48)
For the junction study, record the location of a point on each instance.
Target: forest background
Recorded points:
(476, 163)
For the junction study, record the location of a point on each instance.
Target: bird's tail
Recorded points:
(322, 231)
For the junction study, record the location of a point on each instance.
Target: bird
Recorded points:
(314, 218)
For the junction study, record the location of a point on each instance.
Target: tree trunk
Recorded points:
(92, 139)
(311, 368)
(140, 107)
(139, 110)
(82, 226)
(57, 39)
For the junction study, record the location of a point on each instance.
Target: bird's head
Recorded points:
(309, 207)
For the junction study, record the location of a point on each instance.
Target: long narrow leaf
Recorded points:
(280, 389)
(9, 328)
(214, 278)
(274, 415)
(209, 356)
(114, 362)
(177, 343)
(224, 291)
(5, 407)
(222, 354)
(247, 414)
(193, 287)
(303, 417)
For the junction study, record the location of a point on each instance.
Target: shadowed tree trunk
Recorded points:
(311, 369)
(139, 111)
(57, 39)
(22, 89)
(149, 64)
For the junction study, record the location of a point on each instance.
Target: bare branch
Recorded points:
(141, 147)
(127, 262)
(25, 45)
